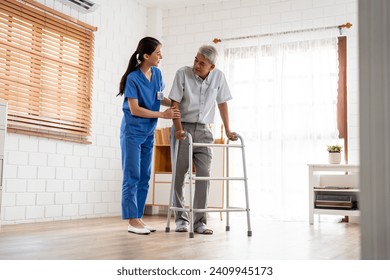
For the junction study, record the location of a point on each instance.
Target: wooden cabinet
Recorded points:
(333, 190)
(162, 173)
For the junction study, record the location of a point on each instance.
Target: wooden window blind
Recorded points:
(46, 68)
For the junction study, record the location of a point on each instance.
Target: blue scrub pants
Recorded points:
(137, 151)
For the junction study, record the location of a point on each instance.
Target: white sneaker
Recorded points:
(136, 230)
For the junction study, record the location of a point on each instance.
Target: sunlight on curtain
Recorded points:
(284, 105)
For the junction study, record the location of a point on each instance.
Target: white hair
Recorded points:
(209, 52)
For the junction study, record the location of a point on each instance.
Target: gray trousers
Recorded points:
(201, 133)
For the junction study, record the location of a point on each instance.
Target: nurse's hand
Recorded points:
(171, 113)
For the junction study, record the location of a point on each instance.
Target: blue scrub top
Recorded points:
(139, 87)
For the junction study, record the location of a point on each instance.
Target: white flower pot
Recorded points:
(334, 158)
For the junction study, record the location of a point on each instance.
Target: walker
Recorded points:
(193, 178)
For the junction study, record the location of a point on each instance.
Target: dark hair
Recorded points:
(147, 45)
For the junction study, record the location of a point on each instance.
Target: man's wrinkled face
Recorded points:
(202, 66)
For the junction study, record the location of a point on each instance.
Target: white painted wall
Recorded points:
(53, 180)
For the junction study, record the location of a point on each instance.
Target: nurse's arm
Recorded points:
(138, 111)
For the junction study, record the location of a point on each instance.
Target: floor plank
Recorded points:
(108, 239)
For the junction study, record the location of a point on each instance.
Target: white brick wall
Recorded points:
(48, 180)
(54, 180)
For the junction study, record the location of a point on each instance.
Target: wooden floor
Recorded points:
(108, 239)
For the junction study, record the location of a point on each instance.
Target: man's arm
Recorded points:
(166, 102)
(179, 132)
(224, 112)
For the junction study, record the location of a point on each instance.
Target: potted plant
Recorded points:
(334, 155)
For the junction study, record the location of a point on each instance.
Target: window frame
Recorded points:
(46, 68)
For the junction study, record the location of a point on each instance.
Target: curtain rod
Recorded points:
(346, 25)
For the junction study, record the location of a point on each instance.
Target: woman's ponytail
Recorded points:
(133, 65)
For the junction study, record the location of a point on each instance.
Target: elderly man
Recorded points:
(196, 91)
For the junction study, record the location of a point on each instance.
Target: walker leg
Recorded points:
(167, 228)
(246, 189)
(227, 190)
(190, 166)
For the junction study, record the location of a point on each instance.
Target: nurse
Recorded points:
(142, 86)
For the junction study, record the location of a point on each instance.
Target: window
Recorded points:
(46, 67)
(285, 101)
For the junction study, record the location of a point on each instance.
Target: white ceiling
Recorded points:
(166, 4)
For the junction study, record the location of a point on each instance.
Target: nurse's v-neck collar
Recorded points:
(143, 74)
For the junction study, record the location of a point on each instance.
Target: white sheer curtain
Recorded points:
(284, 105)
